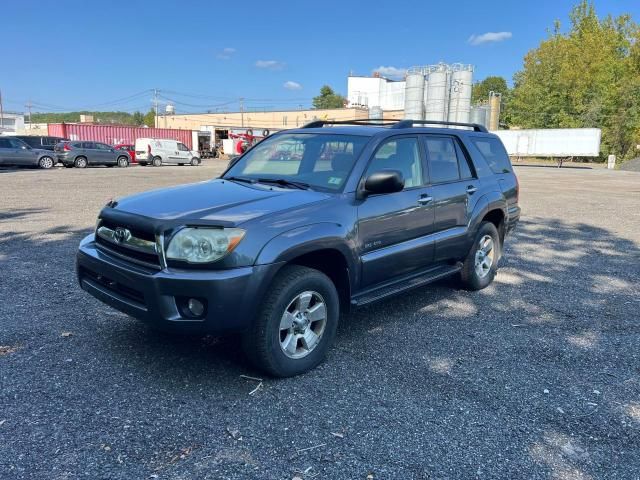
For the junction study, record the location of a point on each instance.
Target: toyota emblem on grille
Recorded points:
(121, 235)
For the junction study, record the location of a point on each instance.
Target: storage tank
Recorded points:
(436, 108)
(460, 100)
(170, 109)
(375, 113)
(479, 114)
(414, 97)
(494, 104)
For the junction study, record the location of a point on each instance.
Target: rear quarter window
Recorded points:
(494, 153)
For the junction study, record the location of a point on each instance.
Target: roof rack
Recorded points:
(376, 123)
(410, 123)
(392, 123)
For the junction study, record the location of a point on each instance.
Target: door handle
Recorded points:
(424, 199)
(471, 189)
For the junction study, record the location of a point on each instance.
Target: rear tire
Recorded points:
(80, 162)
(46, 163)
(157, 161)
(481, 265)
(296, 323)
(123, 162)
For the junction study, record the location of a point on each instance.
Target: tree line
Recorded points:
(587, 76)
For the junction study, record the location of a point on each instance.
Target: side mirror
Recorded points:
(384, 181)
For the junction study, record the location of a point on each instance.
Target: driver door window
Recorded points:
(402, 154)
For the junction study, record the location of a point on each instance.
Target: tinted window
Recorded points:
(323, 161)
(102, 146)
(49, 141)
(182, 147)
(463, 161)
(402, 154)
(443, 161)
(4, 143)
(16, 143)
(494, 153)
(87, 145)
(33, 141)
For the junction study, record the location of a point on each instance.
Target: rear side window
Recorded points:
(4, 143)
(494, 153)
(443, 161)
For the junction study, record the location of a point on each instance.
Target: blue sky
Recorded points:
(106, 55)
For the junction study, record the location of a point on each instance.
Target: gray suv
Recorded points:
(82, 154)
(305, 225)
(15, 152)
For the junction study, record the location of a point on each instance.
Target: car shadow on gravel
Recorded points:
(549, 349)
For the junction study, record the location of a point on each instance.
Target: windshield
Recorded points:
(322, 161)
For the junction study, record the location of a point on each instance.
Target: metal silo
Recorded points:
(460, 98)
(480, 115)
(375, 113)
(436, 108)
(494, 104)
(414, 97)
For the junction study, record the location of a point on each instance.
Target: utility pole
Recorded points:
(155, 106)
(242, 111)
(29, 105)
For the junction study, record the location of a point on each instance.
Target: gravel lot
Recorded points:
(537, 376)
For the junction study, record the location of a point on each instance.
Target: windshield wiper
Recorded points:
(285, 183)
(240, 179)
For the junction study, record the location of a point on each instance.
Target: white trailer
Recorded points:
(552, 142)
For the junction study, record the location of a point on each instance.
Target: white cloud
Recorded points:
(270, 64)
(226, 53)
(391, 71)
(291, 85)
(489, 37)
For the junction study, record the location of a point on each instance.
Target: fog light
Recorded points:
(196, 307)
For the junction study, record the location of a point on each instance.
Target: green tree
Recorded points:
(480, 91)
(137, 118)
(586, 77)
(150, 118)
(328, 99)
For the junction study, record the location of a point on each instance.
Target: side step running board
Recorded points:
(400, 286)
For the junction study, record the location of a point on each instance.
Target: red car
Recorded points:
(130, 149)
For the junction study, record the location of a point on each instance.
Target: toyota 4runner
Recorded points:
(303, 226)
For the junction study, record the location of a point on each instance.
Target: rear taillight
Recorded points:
(66, 147)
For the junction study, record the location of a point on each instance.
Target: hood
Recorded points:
(216, 201)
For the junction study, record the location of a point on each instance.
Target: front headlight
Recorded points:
(203, 245)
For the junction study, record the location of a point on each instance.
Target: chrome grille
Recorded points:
(121, 243)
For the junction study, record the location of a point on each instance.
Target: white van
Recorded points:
(158, 151)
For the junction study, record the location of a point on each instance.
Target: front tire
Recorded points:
(195, 162)
(481, 265)
(46, 163)
(296, 323)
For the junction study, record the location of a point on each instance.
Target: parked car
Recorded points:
(158, 152)
(14, 151)
(276, 250)
(130, 149)
(42, 142)
(82, 154)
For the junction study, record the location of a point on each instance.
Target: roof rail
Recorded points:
(371, 122)
(410, 123)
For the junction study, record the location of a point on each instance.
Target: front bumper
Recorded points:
(154, 296)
